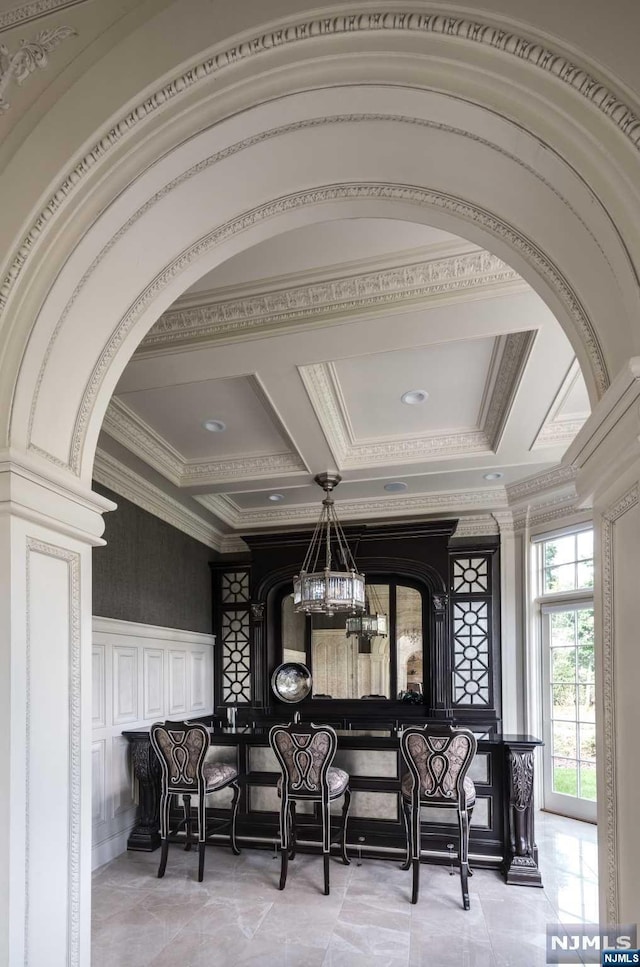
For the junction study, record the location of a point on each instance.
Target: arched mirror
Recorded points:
(355, 666)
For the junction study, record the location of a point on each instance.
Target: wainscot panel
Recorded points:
(141, 674)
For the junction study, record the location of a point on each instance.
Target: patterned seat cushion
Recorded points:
(469, 788)
(338, 781)
(218, 774)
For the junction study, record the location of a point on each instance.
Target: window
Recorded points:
(357, 667)
(567, 563)
(565, 586)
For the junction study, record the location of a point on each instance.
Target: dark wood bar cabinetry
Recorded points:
(441, 661)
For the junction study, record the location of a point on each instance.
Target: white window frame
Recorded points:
(538, 699)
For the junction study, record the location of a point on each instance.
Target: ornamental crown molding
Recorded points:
(366, 508)
(125, 426)
(562, 477)
(112, 473)
(26, 12)
(505, 372)
(31, 55)
(483, 525)
(456, 29)
(456, 277)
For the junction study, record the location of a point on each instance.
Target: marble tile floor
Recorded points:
(237, 916)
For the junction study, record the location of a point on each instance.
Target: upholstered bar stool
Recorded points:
(181, 748)
(438, 757)
(305, 754)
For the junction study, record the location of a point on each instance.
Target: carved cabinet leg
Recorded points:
(145, 835)
(521, 860)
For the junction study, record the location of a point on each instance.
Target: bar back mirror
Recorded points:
(358, 666)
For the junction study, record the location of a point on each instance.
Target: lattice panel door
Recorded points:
(235, 637)
(471, 630)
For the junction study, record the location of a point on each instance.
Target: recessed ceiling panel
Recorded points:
(453, 374)
(177, 414)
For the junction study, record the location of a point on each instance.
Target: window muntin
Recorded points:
(567, 563)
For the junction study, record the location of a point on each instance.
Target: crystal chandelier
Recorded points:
(328, 589)
(373, 622)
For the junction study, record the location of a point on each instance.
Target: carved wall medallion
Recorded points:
(31, 55)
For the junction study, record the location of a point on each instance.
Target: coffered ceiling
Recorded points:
(301, 350)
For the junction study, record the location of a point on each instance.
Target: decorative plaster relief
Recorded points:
(31, 55)
(561, 476)
(515, 349)
(367, 508)
(416, 281)
(456, 29)
(626, 503)
(480, 526)
(26, 12)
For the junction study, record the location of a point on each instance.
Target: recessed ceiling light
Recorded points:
(214, 426)
(276, 497)
(493, 476)
(396, 487)
(413, 396)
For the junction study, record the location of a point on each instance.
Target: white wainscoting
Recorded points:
(141, 673)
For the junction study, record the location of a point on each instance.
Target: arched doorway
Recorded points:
(326, 136)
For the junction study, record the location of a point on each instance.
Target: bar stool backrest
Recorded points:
(439, 757)
(305, 753)
(181, 748)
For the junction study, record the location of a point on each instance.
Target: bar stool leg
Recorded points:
(326, 842)
(415, 849)
(326, 873)
(293, 831)
(404, 805)
(186, 801)
(235, 849)
(284, 840)
(165, 800)
(345, 815)
(463, 821)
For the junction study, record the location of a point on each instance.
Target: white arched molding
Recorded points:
(462, 56)
(158, 237)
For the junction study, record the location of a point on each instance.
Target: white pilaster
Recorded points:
(46, 534)
(607, 454)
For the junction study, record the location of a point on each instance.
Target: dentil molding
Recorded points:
(456, 29)
(31, 55)
(464, 30)
(26, 12)
(425, 281)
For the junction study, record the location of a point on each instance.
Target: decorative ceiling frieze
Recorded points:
(456, 277)
(135, 434)
(365, 508)
(27, 12)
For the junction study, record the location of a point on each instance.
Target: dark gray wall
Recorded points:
(150, 572)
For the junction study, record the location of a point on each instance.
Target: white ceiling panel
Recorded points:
(177, 414)
(453, 374)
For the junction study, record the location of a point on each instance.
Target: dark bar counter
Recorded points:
(502, 830)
